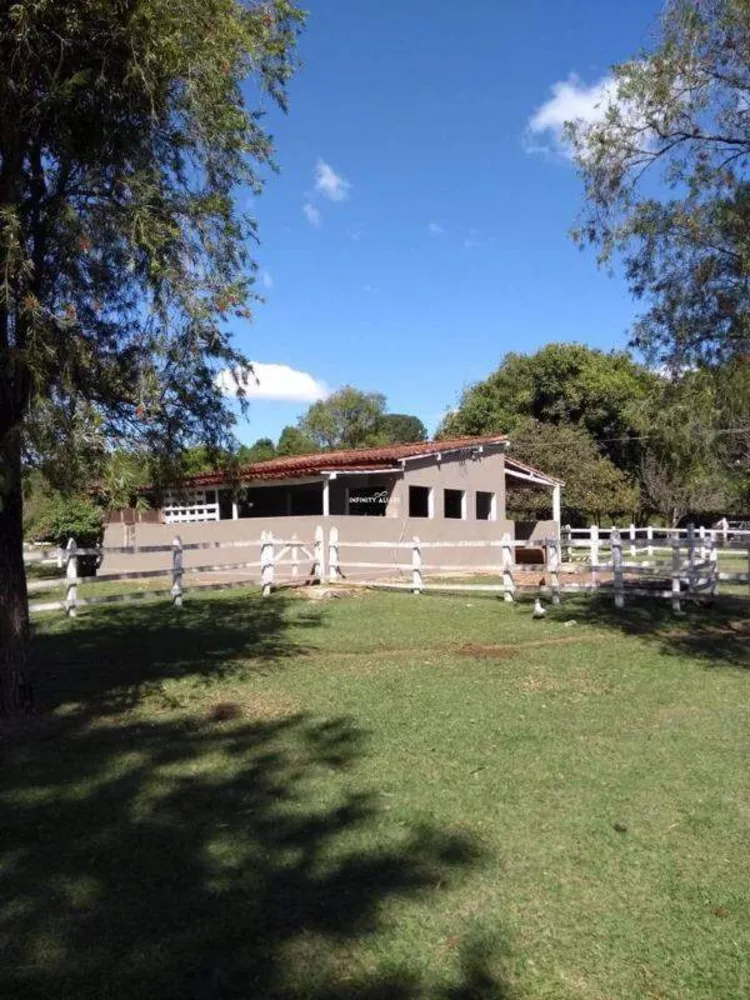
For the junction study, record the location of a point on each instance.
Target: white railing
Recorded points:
(413, 561)
(693, 569)
(280, 561)
(638, 538)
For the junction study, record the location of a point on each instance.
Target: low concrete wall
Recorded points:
(351, 529)
(537, 531)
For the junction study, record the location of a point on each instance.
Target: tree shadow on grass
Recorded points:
(187, 859)
(716, 632)
(109, 658)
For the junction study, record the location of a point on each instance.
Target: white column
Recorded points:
(235, 509)
(556, 504)
(326, 499)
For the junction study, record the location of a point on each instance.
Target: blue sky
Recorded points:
(418, 229)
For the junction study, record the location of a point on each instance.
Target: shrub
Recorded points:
(65, 517)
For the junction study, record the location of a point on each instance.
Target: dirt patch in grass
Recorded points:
(505, 650)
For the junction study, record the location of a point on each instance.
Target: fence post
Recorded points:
(553, 567)
(676, 574)
(702, 536)
(650, 542)
(319, 568)
(633, 549)
(508, 585)
(713, 557)
(594, 554)
(416, 566)
(566, 538)
(266, 562)
(177, 571)
(333, 554)
(615, 541)
(71, 575)
(724, 530)
(295, 557)
(691, 557)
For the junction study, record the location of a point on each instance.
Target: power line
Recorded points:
(645, 437)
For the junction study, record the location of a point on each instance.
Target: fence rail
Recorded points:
(294, 556)
(691, 572)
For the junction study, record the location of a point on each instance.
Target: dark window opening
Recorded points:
(225, 505)
(453, 504)
(484, 505)
(368, 501)
(306, 500)
(419, 501)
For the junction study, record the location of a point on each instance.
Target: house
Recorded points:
(451, 489)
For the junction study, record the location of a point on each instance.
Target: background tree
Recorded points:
(561, 384)
(261, 451)
(695, 453)
(293, 441)
(124, 135)
(400, 428)
(595, 489)
(349, 418)
(665, 172)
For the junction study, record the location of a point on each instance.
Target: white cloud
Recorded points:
(312, 214)
(270, 381)
(329, 183)
(571, 100)
(435, 229)
(266, 278)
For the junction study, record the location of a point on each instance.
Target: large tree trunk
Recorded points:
(15, 687)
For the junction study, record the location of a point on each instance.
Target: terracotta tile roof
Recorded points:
(354, 460)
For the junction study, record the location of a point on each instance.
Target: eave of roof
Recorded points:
(550, 480)
(353, 460)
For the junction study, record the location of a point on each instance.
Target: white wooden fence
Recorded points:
(279, 561)
(610, 564)
(652, 540)
(413, 561)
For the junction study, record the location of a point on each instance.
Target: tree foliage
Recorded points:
(349, 418)
(595, 489)
(696, 457)
(260, 451)
(665, 171)
(293, 441)
(125, 135)
(560, 384)
(400, 428)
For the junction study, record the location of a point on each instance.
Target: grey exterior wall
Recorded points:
(351, 529)
(485, 472)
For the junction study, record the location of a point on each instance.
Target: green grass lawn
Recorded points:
(383, 797)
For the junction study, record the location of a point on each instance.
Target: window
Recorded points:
(485, 506)
(420, 501)
(454, 503)
(225, 505)
(368, 501)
